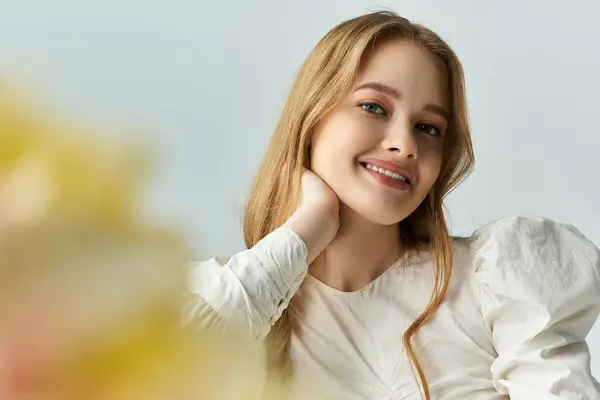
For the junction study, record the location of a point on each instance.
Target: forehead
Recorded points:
(410, 69)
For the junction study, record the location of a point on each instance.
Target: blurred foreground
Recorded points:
(91, 293)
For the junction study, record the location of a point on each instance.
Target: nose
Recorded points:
(400, 139)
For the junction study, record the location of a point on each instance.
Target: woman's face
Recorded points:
(380, 149)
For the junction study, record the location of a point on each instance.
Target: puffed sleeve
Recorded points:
(250, 291)
(539, 282)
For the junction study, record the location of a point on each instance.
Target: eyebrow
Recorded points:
(380, 87)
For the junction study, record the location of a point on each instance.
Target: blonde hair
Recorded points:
(324, 79)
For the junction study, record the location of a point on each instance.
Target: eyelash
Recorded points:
(427, 127)
(423, 127)
(372, 103)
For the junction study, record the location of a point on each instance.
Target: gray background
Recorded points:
(205, 81)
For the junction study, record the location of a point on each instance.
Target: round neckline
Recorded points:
(400, 262)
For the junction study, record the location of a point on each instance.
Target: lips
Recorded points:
(387, 178)
(392, 167)
(386, 172)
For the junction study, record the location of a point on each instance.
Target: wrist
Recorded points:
(316, 226)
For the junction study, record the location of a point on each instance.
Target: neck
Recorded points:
(360, 252)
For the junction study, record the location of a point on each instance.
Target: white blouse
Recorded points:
(524, 294)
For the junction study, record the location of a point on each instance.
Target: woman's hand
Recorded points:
(316, 220)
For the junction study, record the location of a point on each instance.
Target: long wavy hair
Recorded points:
(325, 78)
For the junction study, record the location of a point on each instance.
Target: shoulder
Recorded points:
(521, 236)
(518, 228)
(534, 256)
(538, 282)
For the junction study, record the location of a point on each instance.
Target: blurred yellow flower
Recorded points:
(91, 293)
(48, 166)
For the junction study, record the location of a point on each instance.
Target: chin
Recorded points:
(378, 214)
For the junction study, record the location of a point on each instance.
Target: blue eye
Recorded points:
(428, 129)
(373, 108)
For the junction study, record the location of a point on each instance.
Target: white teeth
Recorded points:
(385, 172)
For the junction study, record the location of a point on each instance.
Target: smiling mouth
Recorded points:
(387, 173)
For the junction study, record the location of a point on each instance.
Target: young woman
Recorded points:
(351, 275)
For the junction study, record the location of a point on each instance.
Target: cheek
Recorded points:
(328, 160)
(338, 141)
(430, 166)
(321, 151)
